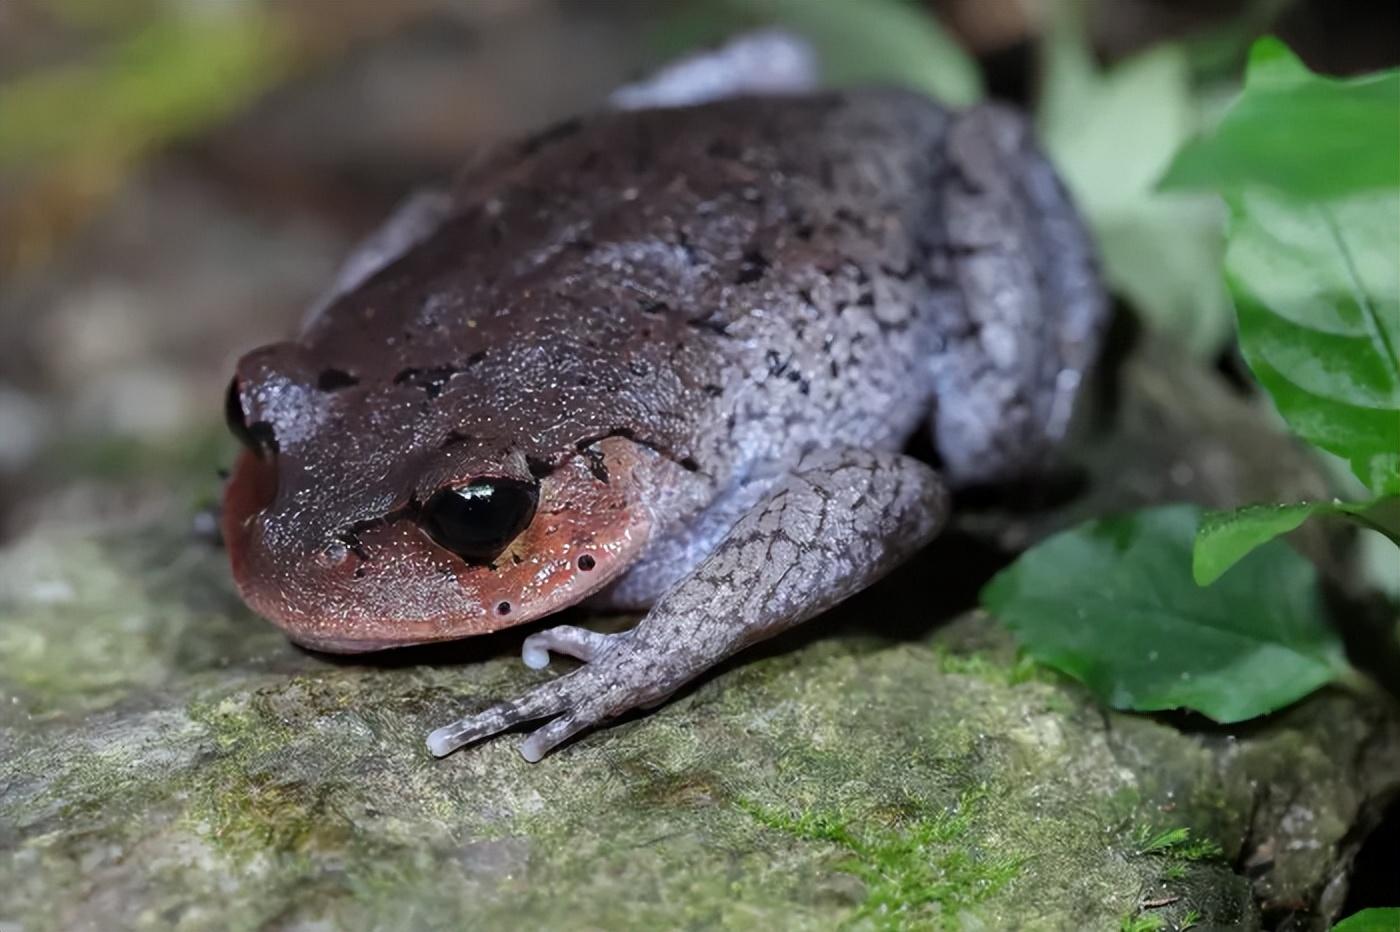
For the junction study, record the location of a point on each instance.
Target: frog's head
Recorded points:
(366, 513)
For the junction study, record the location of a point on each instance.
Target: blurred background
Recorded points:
(178, 178)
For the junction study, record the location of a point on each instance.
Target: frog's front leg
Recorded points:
(834, 524)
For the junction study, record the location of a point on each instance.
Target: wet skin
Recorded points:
(663, 359)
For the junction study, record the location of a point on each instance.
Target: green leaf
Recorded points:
(1225, 537)
(1300, 133)
(1113, 604)
(873, 41)
(1111, 134)
(1310, 168)
(1370, 920)
(1318, 299)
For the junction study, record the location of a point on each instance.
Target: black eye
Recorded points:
(256, 436)
(479, 520)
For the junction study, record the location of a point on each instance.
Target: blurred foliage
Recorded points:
(73, 132)
(171, 76)
(1302, 134)
(875, 41)
(1112, 134)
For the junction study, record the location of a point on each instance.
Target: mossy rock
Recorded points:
(170, 761)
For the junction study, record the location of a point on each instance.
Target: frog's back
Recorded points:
(752, 275)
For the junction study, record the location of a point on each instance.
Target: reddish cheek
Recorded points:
(560, 559)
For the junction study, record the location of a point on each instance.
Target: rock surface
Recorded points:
(170, 761)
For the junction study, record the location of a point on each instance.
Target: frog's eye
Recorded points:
(256, 436)
(479, 520)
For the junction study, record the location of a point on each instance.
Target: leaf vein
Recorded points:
(1363, 300)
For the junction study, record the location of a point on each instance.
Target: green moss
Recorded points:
(1021, 669)
(918, 873)
(1148, 923)
(1176, 843)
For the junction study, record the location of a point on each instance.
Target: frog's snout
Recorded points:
(394, 581)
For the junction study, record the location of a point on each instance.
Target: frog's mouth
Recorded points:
(390, 584)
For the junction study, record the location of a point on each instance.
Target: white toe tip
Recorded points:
(536, 658)
(441, 743)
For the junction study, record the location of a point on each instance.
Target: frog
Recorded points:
(665, 359)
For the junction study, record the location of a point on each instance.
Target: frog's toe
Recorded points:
(544, 700)
(563, 639)
(543, 740)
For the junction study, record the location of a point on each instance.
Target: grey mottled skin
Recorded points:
(765, 296)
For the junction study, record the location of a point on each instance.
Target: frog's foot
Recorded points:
(617, 678)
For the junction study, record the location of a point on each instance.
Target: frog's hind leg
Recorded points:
(767, 61)
(832, 525)
(1027, 272)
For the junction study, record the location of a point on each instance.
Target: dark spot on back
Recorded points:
(454, 439)
(776, 364)
(751, 267)
(712, 324)
(331, 380)
(432, 381)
